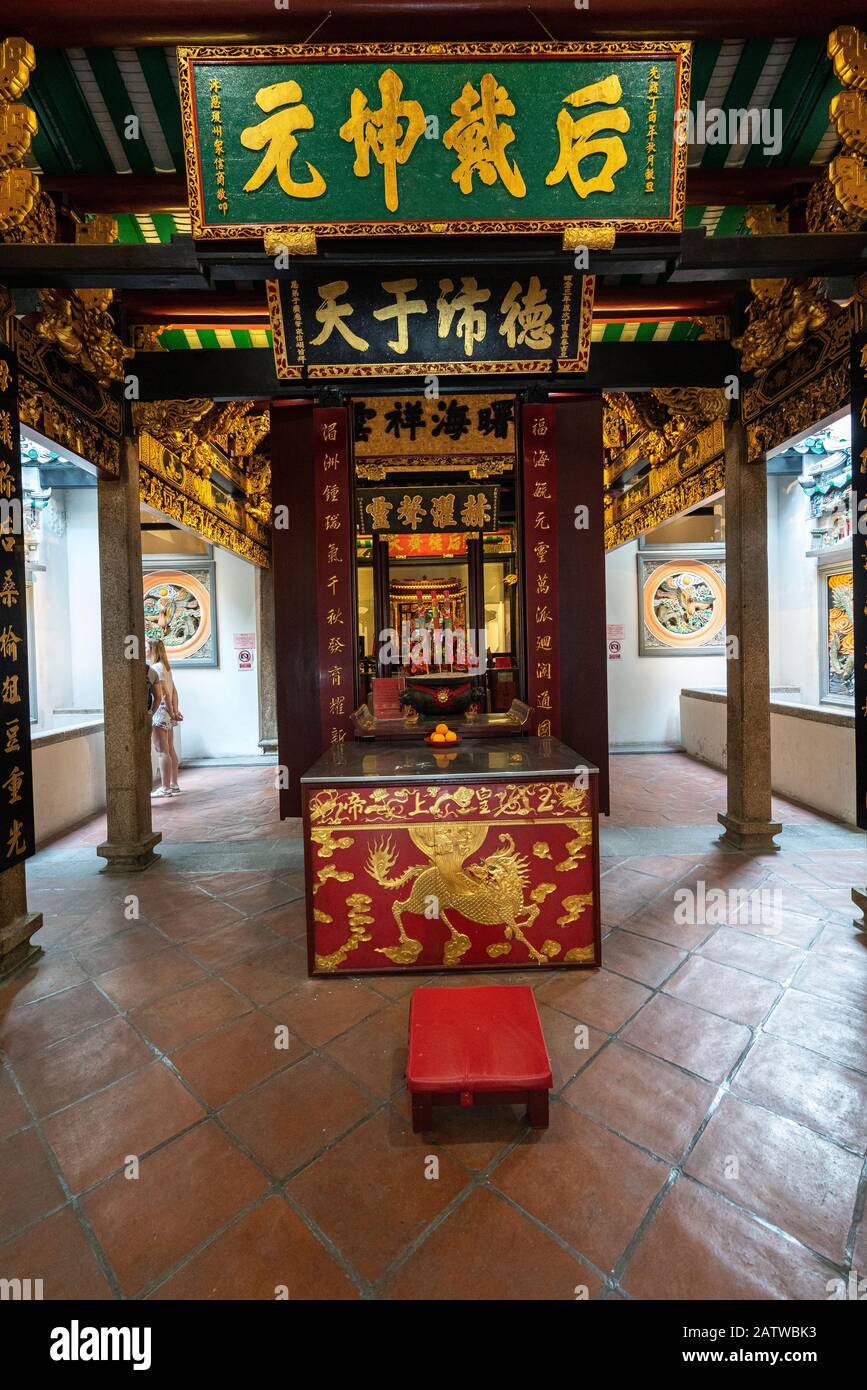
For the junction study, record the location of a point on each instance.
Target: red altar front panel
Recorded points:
(425, 878)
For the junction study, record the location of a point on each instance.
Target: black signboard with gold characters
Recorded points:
(418, 323)
(859, 565)
(400, 510)
(16, 782)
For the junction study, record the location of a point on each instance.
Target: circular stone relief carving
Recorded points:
(684, 605)
(177, 611)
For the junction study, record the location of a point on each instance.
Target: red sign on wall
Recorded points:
(540, 567)
(335, 541)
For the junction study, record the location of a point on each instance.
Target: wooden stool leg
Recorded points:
(537, 1109)
(422, 1111)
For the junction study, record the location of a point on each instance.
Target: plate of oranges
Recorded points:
(443, 737)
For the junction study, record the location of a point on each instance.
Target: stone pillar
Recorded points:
(266, 660)
(747, 820)
(128, 777)
(17, 925)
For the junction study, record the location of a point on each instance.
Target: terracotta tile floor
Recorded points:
(183, 1114)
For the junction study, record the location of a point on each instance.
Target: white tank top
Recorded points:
(166, 677)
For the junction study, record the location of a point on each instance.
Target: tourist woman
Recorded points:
(166, 717)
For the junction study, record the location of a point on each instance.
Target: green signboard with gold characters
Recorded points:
(346, 139)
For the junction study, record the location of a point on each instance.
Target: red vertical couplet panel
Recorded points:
(541, 589)
(293, 555)
(581, 517)
(334, 542)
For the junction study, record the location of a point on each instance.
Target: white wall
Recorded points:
(793, 604)
(221, 705)
(85, 624)
(68, 782)
(812, 760)
(644, 692)
(50, 590)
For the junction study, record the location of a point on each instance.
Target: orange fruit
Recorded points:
(441, 729)
(437, 738)
(451, 736)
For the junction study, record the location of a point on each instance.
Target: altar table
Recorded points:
(481, 857)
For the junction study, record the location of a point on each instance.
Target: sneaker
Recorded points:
(174, 790)
(160, 791)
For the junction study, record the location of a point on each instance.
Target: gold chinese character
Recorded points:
(329, 430)
(10, 694)
(475, 512)
(277, 132)
(577, 142)
(540, 425)
(331, 492)
(528, 317)
(336, 704)
(333, 556)
(5, 429)
(9, 643)
(16, 844)
(442, 510)
(541, 490)
(543, 729)
(9, 593)
(335, 646)
(541, 522)
(5, 375)
(400, 310)
(7, 479)
(381, 133)
(13, 785)
(543, 584)
(543, 644)
(331, 584)
(332, 521)
(330, 462)
(379, 509)
(541, 551)
(544, 701)
(480, 140)
(543, 670)
(411, 511)
(473, 322)
(335, 673)
(540, 458)
(331, 315)
(334, 617)
(543, 614)
(338, 735)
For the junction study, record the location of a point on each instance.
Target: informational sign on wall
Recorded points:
(16, 779)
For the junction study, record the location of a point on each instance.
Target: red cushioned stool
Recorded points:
(476, 1046)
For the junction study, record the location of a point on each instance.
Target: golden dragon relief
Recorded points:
(488, 893)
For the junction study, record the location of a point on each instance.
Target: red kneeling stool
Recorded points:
(476, 1046)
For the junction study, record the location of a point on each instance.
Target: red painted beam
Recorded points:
(69, 23)
(207, 310)
(116, 193)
